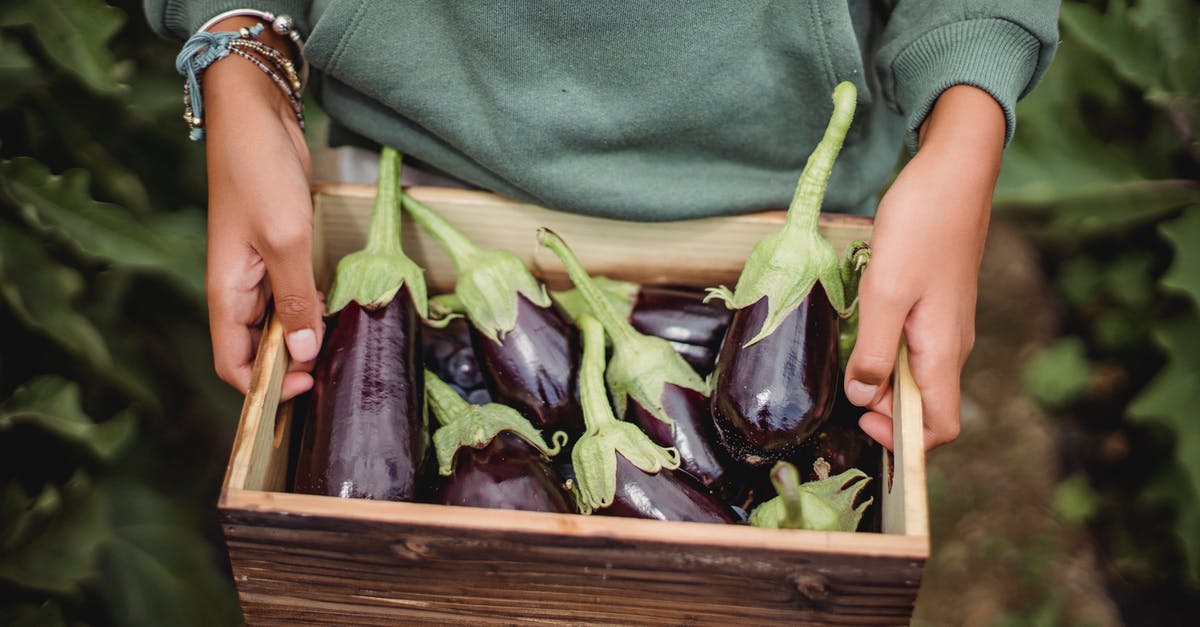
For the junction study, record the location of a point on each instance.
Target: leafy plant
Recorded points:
(113, 429)
(1106, 171)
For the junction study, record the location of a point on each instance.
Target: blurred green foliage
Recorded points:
(1105, 170)
(113, 429)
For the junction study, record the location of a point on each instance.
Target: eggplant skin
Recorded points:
(368, 436)
(693, 435)
(665, 495)
(506, 474)
(535, 368)
(679, 315)
(769, 397)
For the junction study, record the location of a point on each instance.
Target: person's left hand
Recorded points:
(922, 279)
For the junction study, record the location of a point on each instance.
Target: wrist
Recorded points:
(967, 122)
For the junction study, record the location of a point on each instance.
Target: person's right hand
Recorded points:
(259, 221)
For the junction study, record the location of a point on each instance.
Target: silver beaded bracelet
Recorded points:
(280, 24)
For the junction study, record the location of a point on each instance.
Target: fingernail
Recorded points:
(302, 345)
(860, 393)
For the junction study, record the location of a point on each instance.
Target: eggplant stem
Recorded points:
(787, 483)
(383, 237)
(457, 245)
(593, 400)
(601, 308)
(805, 209)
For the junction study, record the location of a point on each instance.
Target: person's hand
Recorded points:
(923, 276)
(259, 221)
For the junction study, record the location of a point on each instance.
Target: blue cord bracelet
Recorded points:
(200, 51)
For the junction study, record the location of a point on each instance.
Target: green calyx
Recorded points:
(823, 505)
(488, 282)
(858, 255)
(372, 276)
(595, 454)
(620, 295)
(641, 364)
(784, 266)
(464, 424)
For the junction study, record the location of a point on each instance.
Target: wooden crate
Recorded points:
(300, 558)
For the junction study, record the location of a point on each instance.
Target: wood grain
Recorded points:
(460, 565)
(312, 559)
(703, 252)
(259, 459)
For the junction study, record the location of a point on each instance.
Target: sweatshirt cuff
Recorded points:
(179, 19)
(994, 55)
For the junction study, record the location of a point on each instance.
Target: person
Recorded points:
(654, 111)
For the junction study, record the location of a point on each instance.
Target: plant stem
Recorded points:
(787, 483)
(593, 397)
(383, 238)
(457, 245)
(602, 309)
(805, 208)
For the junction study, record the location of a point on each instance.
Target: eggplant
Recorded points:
(528, 354)
(679, 315)
(777, 371)
(650, 383)
(676, 314)
(448, 354)
(619, 470)
(491, 456)
(769, 396)
(369, 434)
(824, 505)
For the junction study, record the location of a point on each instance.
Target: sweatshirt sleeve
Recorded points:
(1000, 46)
(179, 19)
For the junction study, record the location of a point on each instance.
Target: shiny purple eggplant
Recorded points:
(650, 383)
(770, 396)
(491, 456)
(693, 437)
(618, 469)
(527, 352)
(368, 434)
(665, 495)
(777, 371)
(679, 315)
(534, 368)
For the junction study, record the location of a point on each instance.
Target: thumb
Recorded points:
(880, 323)
(297, 303)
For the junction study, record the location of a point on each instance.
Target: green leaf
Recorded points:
(1173, 488)
(1059, 374)
(52, 403)
(18, 71)
(1183, 233)
(158, 567)
(48, 614)
(1080, 279)
(59, 557)
(167, 244)
(1172, 397)
(41, 293)
(75, 35)
(1074, 500)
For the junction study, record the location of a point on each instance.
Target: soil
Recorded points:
(1000, 554)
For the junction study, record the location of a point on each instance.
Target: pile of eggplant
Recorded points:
(610, 398)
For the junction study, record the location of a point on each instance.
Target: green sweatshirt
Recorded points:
(651, 110)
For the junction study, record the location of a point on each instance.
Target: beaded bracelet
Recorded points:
(204, 48)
